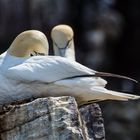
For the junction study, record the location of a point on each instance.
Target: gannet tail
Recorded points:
(112, 95)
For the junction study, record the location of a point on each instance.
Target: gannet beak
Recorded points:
(62, 52)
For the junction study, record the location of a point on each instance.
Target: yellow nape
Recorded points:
(28, 42)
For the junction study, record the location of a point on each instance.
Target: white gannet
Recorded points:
(23, 76)
(25, 45)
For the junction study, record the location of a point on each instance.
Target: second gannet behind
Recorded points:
(63, 42)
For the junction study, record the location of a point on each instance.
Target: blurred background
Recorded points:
(106, 39)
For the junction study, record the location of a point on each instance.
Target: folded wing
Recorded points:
(47, 69)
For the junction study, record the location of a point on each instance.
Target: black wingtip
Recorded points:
(104, 74)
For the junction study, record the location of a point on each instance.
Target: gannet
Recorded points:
(24, 75)
(25, 45)
(63, 42)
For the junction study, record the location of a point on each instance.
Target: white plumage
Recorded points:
(23, 76)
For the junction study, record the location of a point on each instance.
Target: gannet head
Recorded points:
(29, 43)
(63, 43)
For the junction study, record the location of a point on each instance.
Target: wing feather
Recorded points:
(47, 69)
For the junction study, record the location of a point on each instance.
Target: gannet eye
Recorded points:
(34, 53)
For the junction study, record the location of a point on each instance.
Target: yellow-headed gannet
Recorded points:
(63, 42)
(25, 45)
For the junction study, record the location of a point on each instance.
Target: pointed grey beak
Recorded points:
(62, 51)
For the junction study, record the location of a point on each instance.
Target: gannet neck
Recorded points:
(63, 42)
(28, 43)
